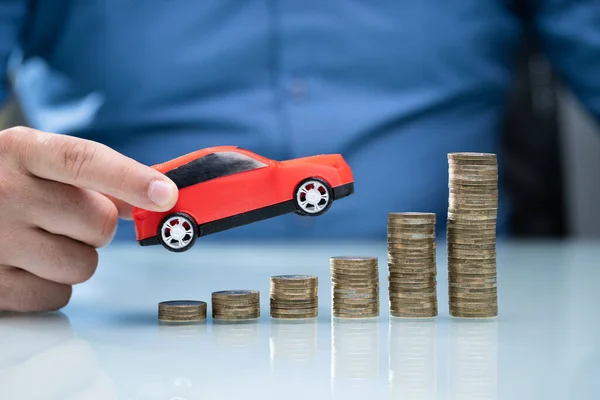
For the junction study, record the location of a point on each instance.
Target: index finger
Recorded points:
(91, 165)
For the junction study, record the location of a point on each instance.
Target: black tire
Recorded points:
(299, 209)
(194, 232)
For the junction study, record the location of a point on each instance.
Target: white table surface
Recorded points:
(107, 343)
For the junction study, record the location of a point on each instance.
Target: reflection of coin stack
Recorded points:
(236, 333)
(180, 331)
(411, 264)
(473, 359)
(293, 341)
(413, 359)
(294, 296)
(355, 287)
(355, 350)
(180, 311)
(236, 304)
(471, 234)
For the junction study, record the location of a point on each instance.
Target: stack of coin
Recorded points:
(181, 311)
(294, 296)
(471, 234)
(411, 265)
(355, 287)
(236, 304)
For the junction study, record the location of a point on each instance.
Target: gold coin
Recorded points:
(236, 317)
(294, 291)
(356, 316)
(471, 279)
(429, 278)
(474, 157)
(353, 259)
(412, 215)
(312, 314)
(294, 279)
(402, 286)
(234, 295)
(305, 311)
(424, 314)
(481, 168)
(427, 248)
(489, 310)
(399, 237)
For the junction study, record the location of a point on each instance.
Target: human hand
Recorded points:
(60, 199)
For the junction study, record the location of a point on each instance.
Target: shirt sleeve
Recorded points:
(12, 17)
(570, 35)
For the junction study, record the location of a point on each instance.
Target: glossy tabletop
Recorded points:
(107, 343)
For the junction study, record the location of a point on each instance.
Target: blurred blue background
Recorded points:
(393, 87)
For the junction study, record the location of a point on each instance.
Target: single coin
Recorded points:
(179, 304)
(293, 291)
(353, 274)
(408, 305)
(391, 237)
(356, 316)
(479, 168)
(427, 248)
(236, 318)
(353, 265)
(470, 279)
(338, 290)
(285, 279)
(355, 296)
(412, 215)
(400, 314)
(428, 279)
(353, 258)
(460, 311)
(358, 301)
(477, 246)
(402, 286)
(276, 315)
(413, 294)
(472, 157)
(233, 295)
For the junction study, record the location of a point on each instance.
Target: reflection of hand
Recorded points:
(61, 198)
(41, 359)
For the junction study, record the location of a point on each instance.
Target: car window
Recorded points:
(211, 166)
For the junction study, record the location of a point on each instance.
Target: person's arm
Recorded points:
(570, 36)
(12, 17)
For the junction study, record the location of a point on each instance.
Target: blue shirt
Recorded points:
(392, 85)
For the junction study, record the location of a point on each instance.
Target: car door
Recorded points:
(235, 184)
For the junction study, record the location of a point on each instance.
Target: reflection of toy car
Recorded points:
(224, 187)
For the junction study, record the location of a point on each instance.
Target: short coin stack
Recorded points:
(411, 265)
(471, 234)
(355, 287)
(181, 311)
(294, 296)
(236, 304)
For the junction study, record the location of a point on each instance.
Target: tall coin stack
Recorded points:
(236, 304)
(355, 287)
(411, 265)
(294, 296)
(471, 235)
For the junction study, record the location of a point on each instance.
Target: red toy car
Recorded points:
(224, 187)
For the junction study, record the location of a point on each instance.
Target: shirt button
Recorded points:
(297, 89)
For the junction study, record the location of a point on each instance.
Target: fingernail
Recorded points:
(162, 193)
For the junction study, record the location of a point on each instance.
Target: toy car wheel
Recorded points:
(177, 232)
(313, 197)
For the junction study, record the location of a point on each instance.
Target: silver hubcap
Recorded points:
(312, 197)
(177, 232)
